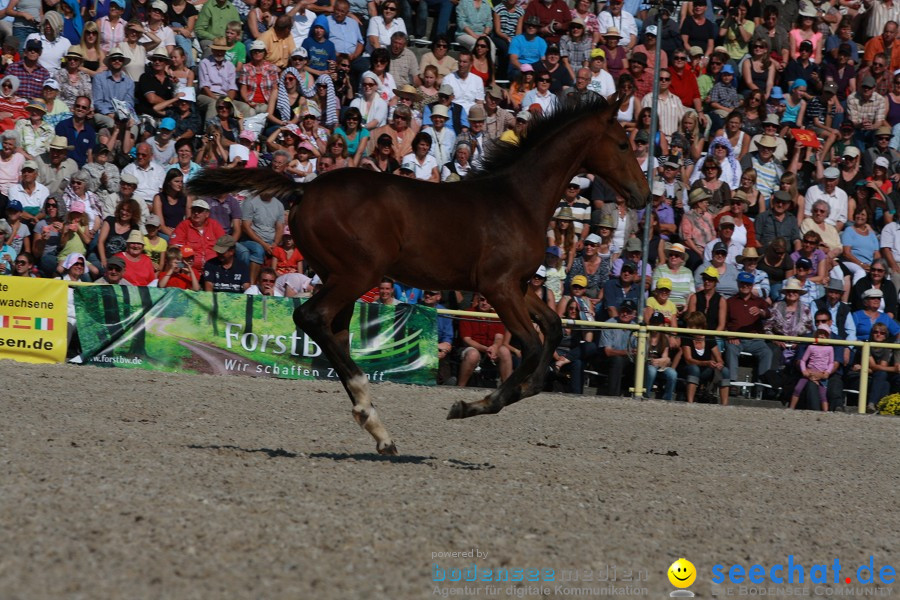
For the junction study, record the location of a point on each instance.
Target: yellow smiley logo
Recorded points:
(682, 573)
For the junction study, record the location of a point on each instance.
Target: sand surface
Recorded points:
(129, 484)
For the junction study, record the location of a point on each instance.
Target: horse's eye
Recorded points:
(623, 146)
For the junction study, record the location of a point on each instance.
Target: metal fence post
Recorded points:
(640, 360)
(864, 378)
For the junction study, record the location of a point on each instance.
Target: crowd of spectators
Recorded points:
(775, 163)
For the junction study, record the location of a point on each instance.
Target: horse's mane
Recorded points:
(501, 155)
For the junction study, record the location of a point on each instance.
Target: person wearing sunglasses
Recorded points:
(670, 109)
(541, 94)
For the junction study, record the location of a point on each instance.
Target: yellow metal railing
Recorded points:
(643, 331)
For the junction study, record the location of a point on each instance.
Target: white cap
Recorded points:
(882, 162)
(593, 239)
(659, 188)
(257, 45)
(651, 30)
(542, 271)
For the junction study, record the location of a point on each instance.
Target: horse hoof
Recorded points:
(458, 411)
(387, 449)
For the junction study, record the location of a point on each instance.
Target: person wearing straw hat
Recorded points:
(35, 133)
(768, 169)
(73, 82)
(217, 78)
(697, 228)
(789, 317)
(748, 261)
(55, 167)
(681, 277)
(110, 85)
(155, 90)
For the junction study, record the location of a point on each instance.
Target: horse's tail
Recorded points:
(215, 182)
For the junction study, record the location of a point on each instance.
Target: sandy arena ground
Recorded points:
(128, 484)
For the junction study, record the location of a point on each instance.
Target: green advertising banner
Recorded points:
(236, 334)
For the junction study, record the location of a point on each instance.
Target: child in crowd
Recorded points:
(155, 245)
(816, 365)
(556, 271)
(286, 258)
(303, 168)
(237, 52)
(179, 272)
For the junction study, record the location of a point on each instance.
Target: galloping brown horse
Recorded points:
(486, 233)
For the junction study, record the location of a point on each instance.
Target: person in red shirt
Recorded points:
(138, 266)
(684, 83)
(199, 232)
(555, 16)
(483, 337)
(286, 257)
(746, 313)
(179, 271)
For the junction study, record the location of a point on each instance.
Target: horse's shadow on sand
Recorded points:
(342, 456)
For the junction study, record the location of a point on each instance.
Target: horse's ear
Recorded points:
(612, 107)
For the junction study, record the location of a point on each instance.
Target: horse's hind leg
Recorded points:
(326, 319)
(510, 305)
(551, 327)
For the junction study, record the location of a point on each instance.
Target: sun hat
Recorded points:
(445, 89)
(564, 214)
(128, 178)
(606, 222)
(776, 93)
(476, 113)
(135, 237)
(748, 253)
(494, 91)
(710, 273)
(303, 53)
(698, 195)
(59, 142)
(72, 259)
(524, 115)
(884, 130)
(37, 105)
(793, 285)
(74, 52)
(835, 284)
(257, 45)
(782, 196)
(767, 141)
(220, 43)
(771, 119)
(440, 110)
(159, 5)
(850, 152)
(738, 196)
(677, 248)
(592, 239)
(304, 145)
(745, 277)
(224, 243)
(579, 280)
(664, 283)
(116, 52)
(160, 52)
(30, 164)
(201, 204)
(612, 32)
(407, 91)
(633, 245)
(871, 293)
(577, 21)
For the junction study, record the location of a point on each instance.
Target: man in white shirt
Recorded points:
(616, 16)
(835, 197)
(468, 89)
(601, 81)
(149, 174)
(302, 22)
(443, 139)
(890, 247)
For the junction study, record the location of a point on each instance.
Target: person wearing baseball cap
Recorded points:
(725, 228)
(29, 192)
(614, 343)
(224, 273)
(747, 314)
(834, 196)
(199, 232)
(625, 286)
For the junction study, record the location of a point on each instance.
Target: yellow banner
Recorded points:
(33, 319)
